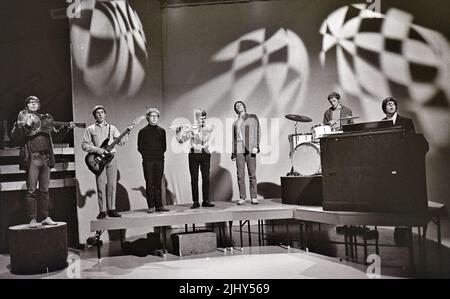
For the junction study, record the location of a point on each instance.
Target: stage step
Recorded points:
(58, 183)
(14, 152)
(14, 179)
(14, 169)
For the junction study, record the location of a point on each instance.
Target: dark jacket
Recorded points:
(404, 122)
(19, 138)
(252, 133)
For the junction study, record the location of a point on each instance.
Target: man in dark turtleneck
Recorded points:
(152, 146)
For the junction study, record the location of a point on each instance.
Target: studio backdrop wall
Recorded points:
(279, 57)
(283, 57)
(116, 62)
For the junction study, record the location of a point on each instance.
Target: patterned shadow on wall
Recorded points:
(380, 55)
(109, 48)
(269, 70)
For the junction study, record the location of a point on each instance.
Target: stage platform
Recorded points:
(183, 214)
(267, 209)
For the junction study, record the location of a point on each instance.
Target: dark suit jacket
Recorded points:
(404, 122)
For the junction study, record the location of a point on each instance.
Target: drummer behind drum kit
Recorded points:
(304, 150)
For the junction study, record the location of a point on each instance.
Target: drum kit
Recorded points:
(304, 150)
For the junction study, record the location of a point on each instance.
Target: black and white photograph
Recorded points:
(224, 144)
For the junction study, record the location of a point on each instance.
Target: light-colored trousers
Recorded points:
(106, 187)
(241, 160)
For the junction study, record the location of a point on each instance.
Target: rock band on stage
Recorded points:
(34, 133)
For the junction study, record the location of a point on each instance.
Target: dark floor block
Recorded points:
(301, 190)
(63, 208)
(38, 250)
(192, 243)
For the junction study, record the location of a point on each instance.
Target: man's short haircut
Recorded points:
(243, 104)
(386, 101)
(98, 107)
(32, 98)
(334, 95)
(152, 110)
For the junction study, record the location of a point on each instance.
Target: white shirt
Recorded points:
(97, 133)
(200, 137)
(393, 118)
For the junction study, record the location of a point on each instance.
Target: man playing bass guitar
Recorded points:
(106, 180)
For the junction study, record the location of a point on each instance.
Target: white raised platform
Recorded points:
(183, 214)
(14, 152)
(267, 209)
(20, 184)
(14, 169)
(56, 183)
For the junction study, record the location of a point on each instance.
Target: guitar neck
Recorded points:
(66, 123)
(117, 140)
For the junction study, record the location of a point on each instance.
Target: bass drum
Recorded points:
(306, 159)
(296, 139)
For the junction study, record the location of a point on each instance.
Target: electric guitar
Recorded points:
(97, 162)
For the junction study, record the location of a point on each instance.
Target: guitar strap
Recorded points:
(109, 131)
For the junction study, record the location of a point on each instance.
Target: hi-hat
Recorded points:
(298, 118)
(349, 118)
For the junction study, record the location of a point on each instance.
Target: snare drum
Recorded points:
(306, 159)
(318, 131)
(296, 139)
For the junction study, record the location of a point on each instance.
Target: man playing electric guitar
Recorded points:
(93, 138)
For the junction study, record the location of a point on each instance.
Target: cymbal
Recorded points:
(349, 117)
(298, 118)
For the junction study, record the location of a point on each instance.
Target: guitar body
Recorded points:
(41, 123)
(97, 162)
(47, 124)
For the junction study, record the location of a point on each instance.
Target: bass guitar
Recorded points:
(97, 162)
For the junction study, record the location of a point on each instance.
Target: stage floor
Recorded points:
(183, 214)
(269, 262)
(267, 209)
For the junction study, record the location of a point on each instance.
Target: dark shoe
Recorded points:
(162, 209)
(195, 205)
(208, 204)
(101, 215)
(113, 213)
